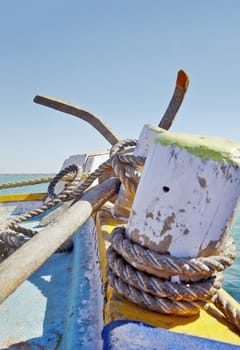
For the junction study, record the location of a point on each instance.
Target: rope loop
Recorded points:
(166, 266)
(70, 169)
(170, 285)
(120, 159)
(166, 284)
(14, 236)
(127, 167)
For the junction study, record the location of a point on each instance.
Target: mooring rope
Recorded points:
(145, 277)
(26, 182)
(148, 278)
(12, 236)
(139, 274)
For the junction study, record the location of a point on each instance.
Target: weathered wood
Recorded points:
(81, 113)
(187, 195)
(124, 201)
(27, 259)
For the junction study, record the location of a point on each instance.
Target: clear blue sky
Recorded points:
(118, 59)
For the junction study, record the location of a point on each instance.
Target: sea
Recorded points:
(231, 275)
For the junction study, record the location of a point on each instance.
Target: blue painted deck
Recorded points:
(56, 307)
(138, 336)
(60, 307)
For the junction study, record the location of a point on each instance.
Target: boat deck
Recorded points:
(56, 308)
(209, 325)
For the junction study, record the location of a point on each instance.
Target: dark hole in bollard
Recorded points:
(166, 189)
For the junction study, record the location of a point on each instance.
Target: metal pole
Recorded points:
(27, 259)
(66, 107)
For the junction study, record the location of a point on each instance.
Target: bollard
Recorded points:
(187, 195)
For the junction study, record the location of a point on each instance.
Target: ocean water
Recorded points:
(231, 275)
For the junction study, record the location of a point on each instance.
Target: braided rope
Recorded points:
(148, 301)
(165, 266)
(26, 182)
(13, 236)
(140, 275)
(161, 287)
(48, 205)
(232, 314)
(144, 277)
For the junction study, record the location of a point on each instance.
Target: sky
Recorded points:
(119, 60)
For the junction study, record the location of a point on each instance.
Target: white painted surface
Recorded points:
(146, 138)
(88, 162)
(191, 218)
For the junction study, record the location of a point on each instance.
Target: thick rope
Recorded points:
(159, 286)
(145, 277)
(26, 182)
(231, 313)
(166, 266)
(141, 275)
(13, 236)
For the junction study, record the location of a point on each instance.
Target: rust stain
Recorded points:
(134, 234)
(186, 231)
(202, 182)
(164, 245)
(149, 215)
(223, 168)
(167, 224)
(210, 249)
(158, 218)
(227, 172)
(161, 247)
(208, 200)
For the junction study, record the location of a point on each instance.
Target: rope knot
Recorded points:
(162, 283)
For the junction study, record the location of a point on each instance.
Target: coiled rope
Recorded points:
(145, 277)
(148, 278)
(139, 274)
(12, 236)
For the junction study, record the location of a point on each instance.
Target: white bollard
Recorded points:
(187, 195)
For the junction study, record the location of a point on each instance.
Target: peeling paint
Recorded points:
(135, 233)
(167, 224)
(212, 245)
(202, 182)
(186, 231)
(149, 215)
(192, 212)
(164, 244)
